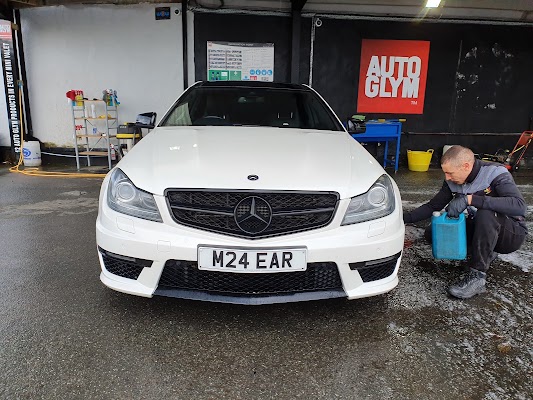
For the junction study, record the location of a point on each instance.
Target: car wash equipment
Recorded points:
(512, 163)
(448, 236)
(113, 152)
(127, 134)
(110, 97)
(75, 96)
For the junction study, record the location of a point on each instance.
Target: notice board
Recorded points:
(227, 61)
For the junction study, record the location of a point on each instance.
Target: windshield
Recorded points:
(252, 106)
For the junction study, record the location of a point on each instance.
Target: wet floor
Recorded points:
(63, 335)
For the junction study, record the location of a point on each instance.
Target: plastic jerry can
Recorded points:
(448, 236)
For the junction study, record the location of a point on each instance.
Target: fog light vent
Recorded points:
(376, 269)
(126, 267)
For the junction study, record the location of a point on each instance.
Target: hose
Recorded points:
(36, 171)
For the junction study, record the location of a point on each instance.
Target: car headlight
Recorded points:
(125, 198)
(376, 203)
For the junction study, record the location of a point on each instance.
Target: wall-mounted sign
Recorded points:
(240, 61)
(10, 84)
(393, 76)
(162, 13)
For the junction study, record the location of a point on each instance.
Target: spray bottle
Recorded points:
(113, 152)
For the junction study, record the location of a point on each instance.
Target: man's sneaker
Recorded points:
(473, 283)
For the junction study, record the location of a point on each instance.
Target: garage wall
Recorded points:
(479, 84)
(479, 77)
(96, 47)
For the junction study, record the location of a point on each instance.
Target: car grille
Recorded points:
(252, 214)
(186, 275)
(376, 269)
(126, 267)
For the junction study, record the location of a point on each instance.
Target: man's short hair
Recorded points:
(457, 155)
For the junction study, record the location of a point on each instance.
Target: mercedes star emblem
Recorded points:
(253, 214)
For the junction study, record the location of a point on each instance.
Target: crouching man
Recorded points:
(496, 212)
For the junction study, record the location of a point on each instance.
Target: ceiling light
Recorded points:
(432, 3)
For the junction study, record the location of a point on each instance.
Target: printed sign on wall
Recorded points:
(392, 76)
(10, 84)
(240, 61)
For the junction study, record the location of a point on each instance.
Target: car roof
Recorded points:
(252, 84)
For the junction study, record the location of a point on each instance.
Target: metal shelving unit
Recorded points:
(95, 133)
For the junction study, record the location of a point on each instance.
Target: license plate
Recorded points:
(252, 260)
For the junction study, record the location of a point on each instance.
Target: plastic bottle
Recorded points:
(448, 236)
(113, 153)
(93, 111)
(79, 97)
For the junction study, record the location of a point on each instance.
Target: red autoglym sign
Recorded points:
(393, 76)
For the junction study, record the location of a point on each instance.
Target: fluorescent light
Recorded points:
(432, 3)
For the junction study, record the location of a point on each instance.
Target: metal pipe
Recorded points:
(295, 50)
(313, 24)
(185, 49)
(240, 11)
(364, 17)
(416, 19)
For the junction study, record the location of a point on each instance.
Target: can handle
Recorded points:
(430, 151)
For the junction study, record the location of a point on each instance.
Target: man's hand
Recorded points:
(457, 205)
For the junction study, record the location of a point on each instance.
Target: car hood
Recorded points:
(223, 157)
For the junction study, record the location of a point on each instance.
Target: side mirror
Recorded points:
(355, 126)
(146, 120)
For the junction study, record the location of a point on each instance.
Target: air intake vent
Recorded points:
(186, 275)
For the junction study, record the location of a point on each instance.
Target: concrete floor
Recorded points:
(63, 335)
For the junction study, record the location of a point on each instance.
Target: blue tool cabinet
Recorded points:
(388, 131)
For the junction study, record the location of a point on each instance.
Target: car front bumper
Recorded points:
(349, 247)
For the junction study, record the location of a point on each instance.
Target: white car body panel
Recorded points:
(222, 157)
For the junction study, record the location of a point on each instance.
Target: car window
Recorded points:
(180, 116)
(252, 106)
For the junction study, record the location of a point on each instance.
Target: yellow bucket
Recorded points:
(419, 160)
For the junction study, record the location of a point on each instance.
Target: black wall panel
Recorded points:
(479, 77)
(495, 79)
(336, 53)
(336, 67)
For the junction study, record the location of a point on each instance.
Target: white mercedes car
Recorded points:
(249, 193)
